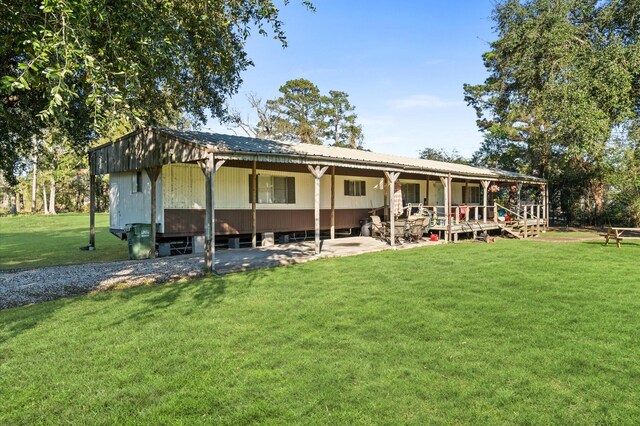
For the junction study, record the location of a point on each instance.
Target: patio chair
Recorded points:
(417, 229)
(377, 227)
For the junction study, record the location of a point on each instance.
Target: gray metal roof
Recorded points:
(237, 147)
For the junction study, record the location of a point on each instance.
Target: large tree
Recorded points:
(76, 65)
(563, 75)
(302, 114)
(342, 128)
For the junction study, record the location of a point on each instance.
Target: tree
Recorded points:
(297, 115)
(303, 114)
(342, 129)
(78, 65)
(442, 155)
(563, 75)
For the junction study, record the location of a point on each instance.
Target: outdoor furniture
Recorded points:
(616, 233)
(377, 227)
(417, 228)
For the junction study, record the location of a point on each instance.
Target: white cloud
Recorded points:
(423, 102)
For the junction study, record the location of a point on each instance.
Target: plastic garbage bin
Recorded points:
(138, 240)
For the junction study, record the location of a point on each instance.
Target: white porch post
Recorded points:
(392, 177)
(485, 187)
(447, 208)
(317, 173)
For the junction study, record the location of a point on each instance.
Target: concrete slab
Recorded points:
(286, 254)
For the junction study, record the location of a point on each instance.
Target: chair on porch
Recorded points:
(377, 227)
(417, 229)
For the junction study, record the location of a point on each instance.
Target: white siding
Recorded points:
(184, 187)
(126, 206)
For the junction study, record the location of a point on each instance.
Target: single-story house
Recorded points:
(219, 186)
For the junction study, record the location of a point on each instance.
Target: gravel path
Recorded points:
(28, 286)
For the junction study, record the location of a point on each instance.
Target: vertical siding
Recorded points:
(184, 187)
(133, 207)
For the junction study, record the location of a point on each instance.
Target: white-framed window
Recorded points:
(355, 188)
(136, 182)
(274, 189)
(410, 192)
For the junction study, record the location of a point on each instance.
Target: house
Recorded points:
(221, 186)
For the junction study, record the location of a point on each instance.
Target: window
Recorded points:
(474, 195)
(274, 189)
(355, 188)
(410, 192)
(136, 182)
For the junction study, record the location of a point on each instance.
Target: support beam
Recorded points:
(446, 184)
(392, 177)
(254, 200)
(333, 202)
(153, 173)
(545, 205)
(209, 167)
(92, 211)
(485, 187)
(317, 173)
(427, 193)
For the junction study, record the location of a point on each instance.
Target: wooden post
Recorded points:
(526, 225)
(254, 200)
(392, 177)
(485, 187)
(495, 212)
(317, 173)
(545, 206)
(209, 167)
(447, 211)
(153, 173)
(427, 194)
(333, 202)
(92, 211)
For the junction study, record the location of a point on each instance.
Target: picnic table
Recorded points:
(614, 232)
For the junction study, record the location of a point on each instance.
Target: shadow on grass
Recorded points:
(199, 293)
(14, 322)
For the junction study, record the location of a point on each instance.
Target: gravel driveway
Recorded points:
(27, 286)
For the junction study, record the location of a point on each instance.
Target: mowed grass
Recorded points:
(34, 241)
(513, 332)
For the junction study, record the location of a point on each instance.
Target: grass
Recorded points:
(33, 241)
(513, 332)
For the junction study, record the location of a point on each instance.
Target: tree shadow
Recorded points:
(16, 321)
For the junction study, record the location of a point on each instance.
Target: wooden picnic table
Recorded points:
(616, 232)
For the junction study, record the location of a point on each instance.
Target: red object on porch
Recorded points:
(434, 237)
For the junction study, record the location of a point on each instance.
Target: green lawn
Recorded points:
(513, 332)
(33, 241)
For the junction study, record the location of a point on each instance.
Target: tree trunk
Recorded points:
(20, 201)
(12, 204)
(52, 196)
(45, 205)
(598, 194)
(34, 182)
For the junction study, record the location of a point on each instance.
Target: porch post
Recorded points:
(427, 193)
(317, 173)
(254, 192)
(153, 173)
(209, 167)
(485, 187)
(392, 177)
(92, 210)
(545, 205)
(447, 208)
(333, 202)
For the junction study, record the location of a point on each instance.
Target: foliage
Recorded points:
(303, 114)
(342, 129)
(297, 113)
(378, 338)
(442, 155)
(563, 75)
(79, 65)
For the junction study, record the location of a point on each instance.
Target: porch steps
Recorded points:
(517, 229)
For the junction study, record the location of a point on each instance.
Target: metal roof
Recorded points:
(236, 146)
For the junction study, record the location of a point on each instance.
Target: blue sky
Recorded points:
(402, 63)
